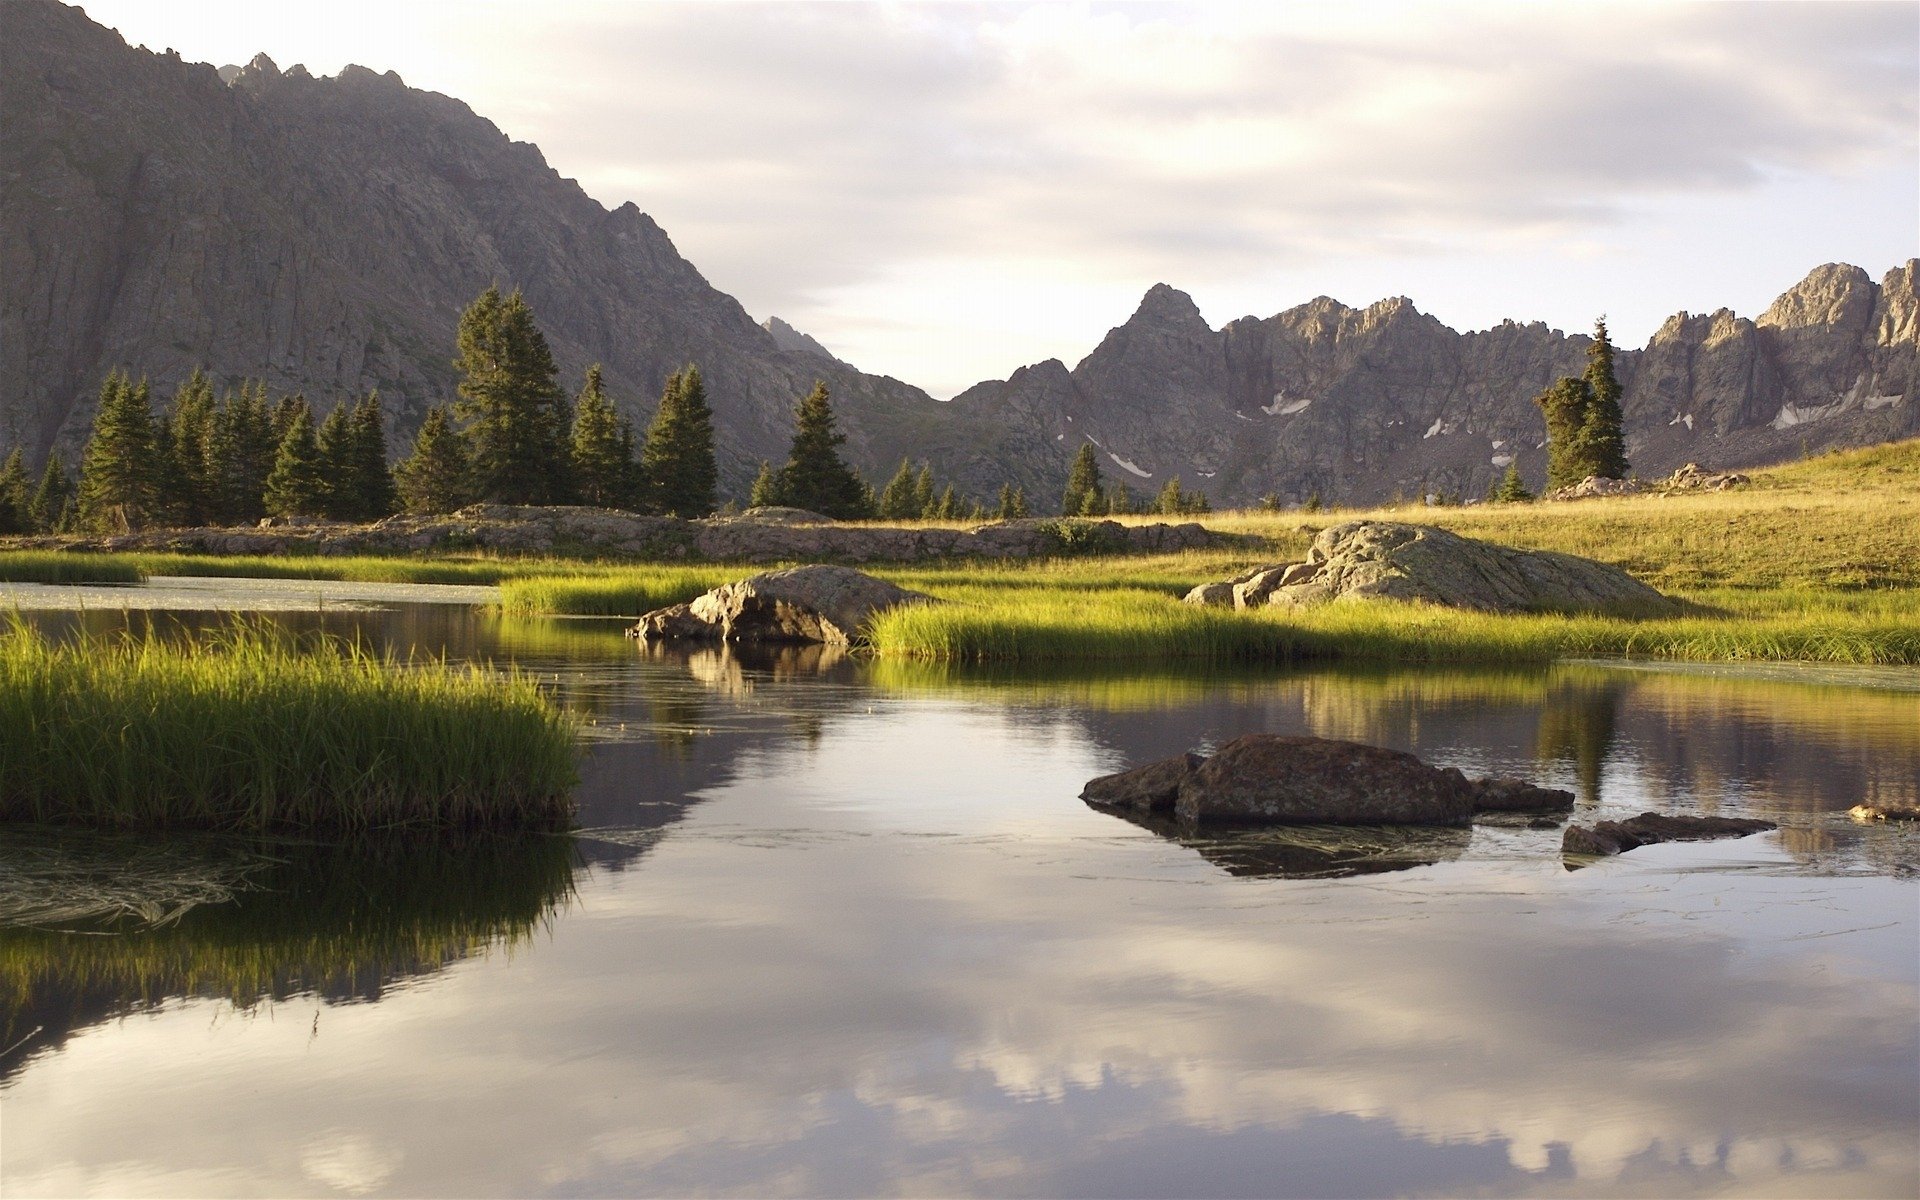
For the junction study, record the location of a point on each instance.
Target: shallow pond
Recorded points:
(835, 927)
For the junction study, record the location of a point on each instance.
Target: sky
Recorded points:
(945, 192)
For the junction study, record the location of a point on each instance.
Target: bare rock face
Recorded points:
(1647, 829)
(800, 604)
(1387, 560)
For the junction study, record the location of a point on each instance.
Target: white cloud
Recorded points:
(805, 155)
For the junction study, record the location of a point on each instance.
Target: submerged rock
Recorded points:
(1648, 829)
(1388, 560)
(1884, 812)
(1267, 779)
(800, 604)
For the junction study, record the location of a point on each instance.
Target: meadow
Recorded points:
(243, 729)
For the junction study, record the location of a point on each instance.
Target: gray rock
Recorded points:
(1884, 811)
(1647, 829)
(1362, 560)
(780, 514)
(800, 604)
(1211, 595)
(1519, 796)
(1149, 789)
(1269, 779)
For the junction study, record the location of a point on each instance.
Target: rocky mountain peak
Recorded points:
(788, 338)
(1835, 294)
(1169, 307)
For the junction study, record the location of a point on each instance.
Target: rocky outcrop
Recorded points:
(1266, 779)
(800, 604)
(614, 533)
(1386, 560)
(1692, 477)
(1647, 829)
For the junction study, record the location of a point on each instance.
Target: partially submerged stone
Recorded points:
(1648, 829)
(1266, 779)
(1884, 811)
(800, 604)
(1390, 560)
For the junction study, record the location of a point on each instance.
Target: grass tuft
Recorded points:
(250, 731)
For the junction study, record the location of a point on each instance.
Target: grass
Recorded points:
(59, 566)
(628, 593)
(244, 730)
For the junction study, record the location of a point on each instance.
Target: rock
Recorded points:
(800, 604)
(1884, 812)
(1269, 779)
(1596, 485)
(1519, 796)
(780, 514)
(1211, 595)
(1692, 477)
(1149, 789)
(1647, 829)
(1388, 560)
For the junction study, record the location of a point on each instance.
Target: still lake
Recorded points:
(840, 927)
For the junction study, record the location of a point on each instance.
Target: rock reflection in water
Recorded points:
(99, 926)
(1307, 851)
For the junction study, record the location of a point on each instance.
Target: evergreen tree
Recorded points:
(766, 488)
(1313, 503)
(52, 503)
(299, 486)
(120, 474)
(244, 449)
(15, 502)
(949, 508)
(1565, 405)
(602, 466)
(190, 480)
(897, 500)
(1085, 488)
(1004, 510)
(1020, 509)
(435, 477)
(1119, 499)
(926, 504)
(1510, 489)
(815, 477)
(373, 488)
(286, 410)
(340, 500)
(518, 423)
(1170, 499)
(1602, 439)
(677, 457)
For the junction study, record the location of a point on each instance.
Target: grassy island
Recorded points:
(253, 732)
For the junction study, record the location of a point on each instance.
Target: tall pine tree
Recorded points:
(16, 501)
(244, 449)
(815, 477)
(765, 492)
(677, 457)
(340, 501)
(120, 470)
(897, 502)
(1602, 439)
(1086, 491)
(190, 481)
(372, 479)
(299, 485)
(51, 508)
(602, 470)
(435, 478)
(1565, 405)
(518, 424)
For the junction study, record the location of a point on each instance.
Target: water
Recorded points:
(842, 928)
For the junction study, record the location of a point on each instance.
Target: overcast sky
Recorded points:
(944, 192)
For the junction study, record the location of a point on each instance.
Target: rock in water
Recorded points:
(1647, 829)
(1149, 789)
(800, 604)
(1885, 811)
(1387, 560)
(1264, 778)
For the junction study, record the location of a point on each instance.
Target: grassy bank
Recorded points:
(57, 566)
(613, 593)
(247, 731)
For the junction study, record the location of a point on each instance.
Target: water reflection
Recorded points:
(1306, 851)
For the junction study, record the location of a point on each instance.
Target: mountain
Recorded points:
(326, 233)
(1361, 405)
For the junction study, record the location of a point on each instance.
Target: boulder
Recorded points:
(1389, 560)
(800, 604)
(1149, 789)
(1647, 829)
(1269, 779)
(1869, 813)
(1519, 796)
(1596, 485)
(1692, 477)
(780, 514)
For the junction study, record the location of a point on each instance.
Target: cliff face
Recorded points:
(1366, 404)
(327, 233)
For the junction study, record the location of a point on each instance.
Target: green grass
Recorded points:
(249, 731)
(60, 566)
(625, 593)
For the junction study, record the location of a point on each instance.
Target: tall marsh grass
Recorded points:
(60, 566)
(627, 593)
(254, 732)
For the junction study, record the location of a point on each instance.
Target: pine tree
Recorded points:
(244, 449)
(1170, 499)
(299, 485)
(1510, 489)
(16, 503)
(948, 508)
(1004, 509)
(926, 502)
(190, 484)
(1020, 509)
(120, 474)
(1085, 488)
(52, 503)
(339, 501)
(435, 478)
(601, 473)
(1313, 503)
(285, 411)
(677, 457)
(1565, 405)
(518, 423)
(1602, 438)
(815, 477)
(766, 488)
(373, 486)
(897, 500)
